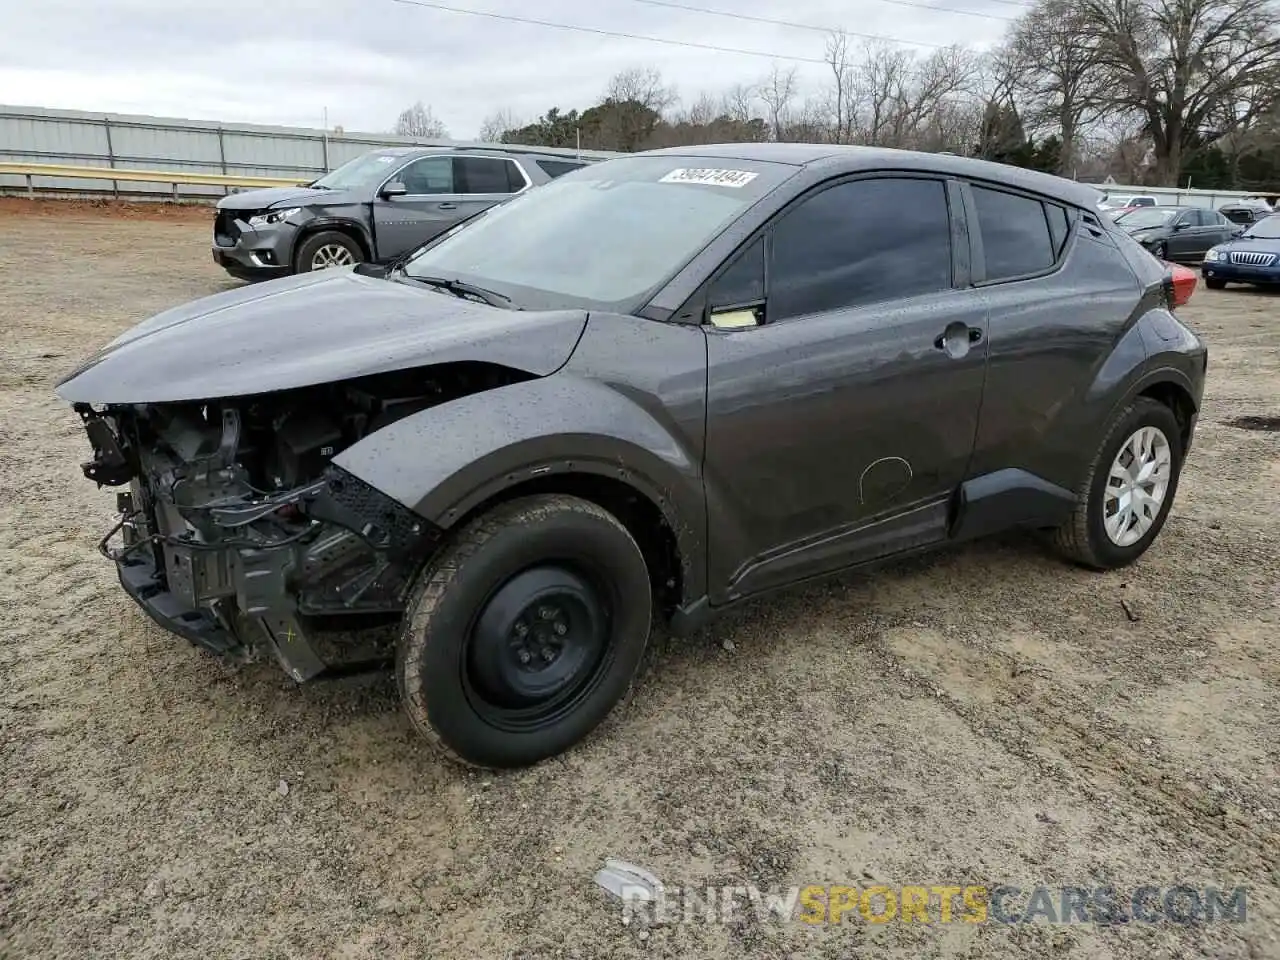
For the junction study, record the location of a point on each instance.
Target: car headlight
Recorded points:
(272, 217)
(1213, 253)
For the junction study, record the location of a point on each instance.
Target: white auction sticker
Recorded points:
(715, 178)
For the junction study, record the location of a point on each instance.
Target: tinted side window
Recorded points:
(428, 175)
(483, 175)
(861, 242)
(1015, 234)
(558, 168)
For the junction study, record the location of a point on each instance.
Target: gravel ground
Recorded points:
(984, 716)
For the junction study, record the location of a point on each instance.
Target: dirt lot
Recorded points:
(986, 716)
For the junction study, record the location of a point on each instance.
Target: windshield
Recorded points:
(1146, 217)
(603, 237)
(1268, 228)
(367, 171)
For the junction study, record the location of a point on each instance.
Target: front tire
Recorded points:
(1125, 499)
(326, 249)
(1213, 283)
(525, 632)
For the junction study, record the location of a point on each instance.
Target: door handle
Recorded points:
(448, 206)
(956, 338)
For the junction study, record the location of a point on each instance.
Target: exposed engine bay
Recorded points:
(241, 535)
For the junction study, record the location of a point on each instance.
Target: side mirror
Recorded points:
(1181, 226)
(394, 189)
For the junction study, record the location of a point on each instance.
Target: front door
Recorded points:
(843, 391)
(1192, 236)
(440, 191)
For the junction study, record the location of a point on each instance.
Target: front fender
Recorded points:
(444, 461)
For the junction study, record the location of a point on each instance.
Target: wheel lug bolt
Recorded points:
(522, 629)
(546, 613)
(561, 629)
(548, 654)
(524, 656)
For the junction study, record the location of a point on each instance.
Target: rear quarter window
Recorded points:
(1016, 237)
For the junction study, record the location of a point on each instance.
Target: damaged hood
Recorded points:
(311, 329)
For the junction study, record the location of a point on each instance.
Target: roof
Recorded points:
(840, 158)
(496, 150)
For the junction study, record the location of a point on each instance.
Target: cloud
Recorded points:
(365, 60)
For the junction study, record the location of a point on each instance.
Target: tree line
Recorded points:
(1156, 92)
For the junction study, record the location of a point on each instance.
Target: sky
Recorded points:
(290, 62)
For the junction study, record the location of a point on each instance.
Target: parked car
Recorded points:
(657, 386)
(1247, 210)
(374, 208)
(1253, 257)
(1177, 233)
(1127, 202)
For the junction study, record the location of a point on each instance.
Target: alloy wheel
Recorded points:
(331, 255)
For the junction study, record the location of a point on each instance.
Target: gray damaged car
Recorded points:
(652, 389)
(374, 209)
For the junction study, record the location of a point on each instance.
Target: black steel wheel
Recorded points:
(525, 632)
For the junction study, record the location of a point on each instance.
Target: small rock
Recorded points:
(282, 788)
(729, 645)
(643, 935)
(626, 920)
(1147, 741)
(699, 849)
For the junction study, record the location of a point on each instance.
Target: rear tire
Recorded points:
(325, 249)
(1097, 536)
(525, 632)
(1214, 284)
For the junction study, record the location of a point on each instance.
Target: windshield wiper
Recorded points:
(460, 288)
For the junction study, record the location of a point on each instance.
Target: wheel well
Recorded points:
(347, 229)
(635, 511)
(1177, 399)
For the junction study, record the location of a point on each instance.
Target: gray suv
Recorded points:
(374, 208)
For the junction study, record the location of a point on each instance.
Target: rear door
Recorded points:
(1060, 295)
(845, 373)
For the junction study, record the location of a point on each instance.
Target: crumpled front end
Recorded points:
(236, 532)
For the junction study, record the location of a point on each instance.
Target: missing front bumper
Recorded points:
(240, 602)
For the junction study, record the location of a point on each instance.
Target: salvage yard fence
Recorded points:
(164, 158)
(38, 145)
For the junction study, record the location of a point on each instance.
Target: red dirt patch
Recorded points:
(81, 208)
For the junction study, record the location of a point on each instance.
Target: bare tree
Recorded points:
(1180, 62)
(419, 121)
(777, 90)
(943, 78)
(496, 124)
(839, 60)
(740, 101)
(1055, 67)
(642, 85)
(880, 83)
